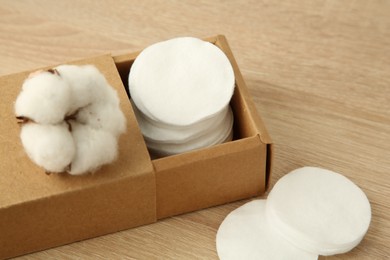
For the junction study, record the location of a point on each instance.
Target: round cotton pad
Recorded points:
(216, 135)
(161, 133)
(245, 234)
(181, 81)
(319, 210)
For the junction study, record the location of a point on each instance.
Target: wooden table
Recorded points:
(319, 73)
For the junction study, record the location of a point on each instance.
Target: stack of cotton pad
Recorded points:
(181, 89)
(71, 119)
(309, 212)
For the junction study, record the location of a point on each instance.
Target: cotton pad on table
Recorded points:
(319, 210)
(309, 212)
(245, 234)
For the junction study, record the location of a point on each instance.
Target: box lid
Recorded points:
(99, 196)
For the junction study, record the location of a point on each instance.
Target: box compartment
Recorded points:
(39, 211)
(223, 173)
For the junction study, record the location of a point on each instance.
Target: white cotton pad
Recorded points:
(215, 136)
(319, 210)
(245, 234)
(94, 148)
(161, 133)
(49, 146)
(229, 137)
(44, 98)
(181, 81)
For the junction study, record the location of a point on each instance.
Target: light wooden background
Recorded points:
(319, 73)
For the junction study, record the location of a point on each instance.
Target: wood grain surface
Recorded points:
(319, 73)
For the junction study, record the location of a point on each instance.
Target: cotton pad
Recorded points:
(245, 234)
(215, 135)
(180, 91)
(49, 146)
(162, 133)
(181, 81)
(319, 211)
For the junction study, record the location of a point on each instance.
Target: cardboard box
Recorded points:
(38, 211)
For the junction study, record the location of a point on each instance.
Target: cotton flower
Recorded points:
(49, 146)
(44, 99)
(94, 148)
(87, 85)
(103, 116)
(71, 119)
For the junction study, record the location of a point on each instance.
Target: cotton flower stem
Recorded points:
(54, 71)
(72, 116)
(69, 125)
(23, 120)
(67, 169)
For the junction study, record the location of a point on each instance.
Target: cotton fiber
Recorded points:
(103, 115)
(94, 148)
(71, 119)
(44, 99)
(49, 146)
(86, 83)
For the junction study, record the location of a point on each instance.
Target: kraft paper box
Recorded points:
(39, 211)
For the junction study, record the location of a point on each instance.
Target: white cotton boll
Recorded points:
(49, 146)
(86, 83)
(45, 98)
(94, 148)
(111, 96)
(76, 96)
(103, 115)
